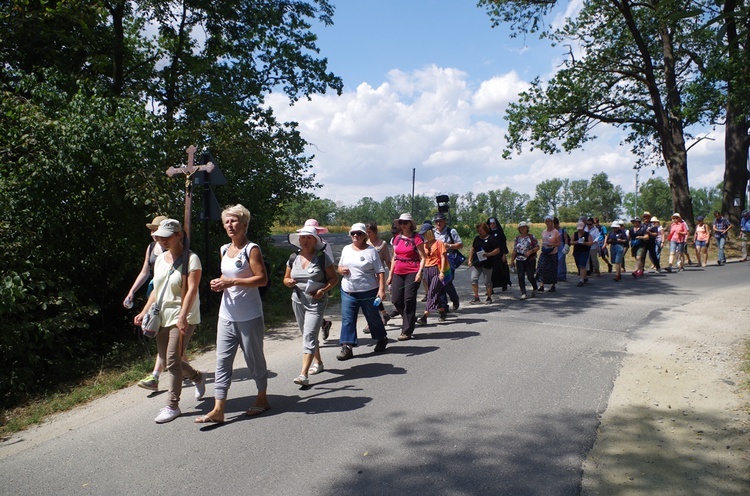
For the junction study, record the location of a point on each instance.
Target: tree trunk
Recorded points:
(733, 200)
(736, 139)
(118, 57)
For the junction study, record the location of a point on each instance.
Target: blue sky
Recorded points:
(426, 83)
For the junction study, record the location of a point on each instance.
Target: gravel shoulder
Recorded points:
(677, 420)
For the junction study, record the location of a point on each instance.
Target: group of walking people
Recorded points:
(428, 255)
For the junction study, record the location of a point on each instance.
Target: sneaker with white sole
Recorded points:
(149, 382)
(167, 414)
(523, 296)
(200, 386)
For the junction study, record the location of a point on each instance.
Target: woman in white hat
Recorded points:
(546, 272)
(678, 233)
(582, 243)
(617, 239)
(406, 273)
(326, 326)
(523, 258)
(153, 250)
(362, 285)
(311, 274)
(179, 315)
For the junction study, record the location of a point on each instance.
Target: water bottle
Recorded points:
(377, 302)
(128, 303)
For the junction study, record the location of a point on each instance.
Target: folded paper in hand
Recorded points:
(481, 256)
(313, 286)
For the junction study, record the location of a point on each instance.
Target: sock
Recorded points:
(155, 373)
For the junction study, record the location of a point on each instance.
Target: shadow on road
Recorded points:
(522, 459)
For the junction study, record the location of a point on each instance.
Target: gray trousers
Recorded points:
(309, 315)
(248, 336)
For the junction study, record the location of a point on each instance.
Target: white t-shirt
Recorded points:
(364, 266)
(239, 303)
(594, 233)
(170, 303)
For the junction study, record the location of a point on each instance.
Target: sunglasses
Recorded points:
(358, 233)
(402, 222)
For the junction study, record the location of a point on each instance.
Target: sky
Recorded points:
(426, 85)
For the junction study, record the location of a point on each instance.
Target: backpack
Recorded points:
(263, 290)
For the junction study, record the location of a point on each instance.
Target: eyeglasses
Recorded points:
(358, 233)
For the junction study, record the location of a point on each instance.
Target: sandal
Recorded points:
(316, 368)
(208, 419)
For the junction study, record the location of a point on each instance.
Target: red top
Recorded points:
(406, 254)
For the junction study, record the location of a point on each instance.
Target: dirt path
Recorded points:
(677, 421)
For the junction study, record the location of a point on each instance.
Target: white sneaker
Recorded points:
(167, 414)
(523, 296)
(200, 386)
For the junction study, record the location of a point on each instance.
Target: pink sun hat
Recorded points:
(314, 224)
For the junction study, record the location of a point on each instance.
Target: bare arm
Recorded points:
(143, 276)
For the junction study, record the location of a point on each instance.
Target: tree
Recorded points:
(707, 200)
(82, 160)
(308, 206)
(654, 196)
(726, 84)
(548, 196)
(605, 199)
(507, 205)
(636, 59)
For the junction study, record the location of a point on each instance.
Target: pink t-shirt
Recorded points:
(406, 254)
(677, 232)
(549, 237)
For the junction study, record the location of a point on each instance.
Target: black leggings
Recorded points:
(525, 268)
(404, 298)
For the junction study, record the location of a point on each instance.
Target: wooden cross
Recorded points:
(189, 170)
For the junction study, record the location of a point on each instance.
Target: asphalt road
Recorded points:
(501, 399)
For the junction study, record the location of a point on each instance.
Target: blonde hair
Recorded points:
(239, 211)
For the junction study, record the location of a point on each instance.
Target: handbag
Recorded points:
(456, 258)
(152, 320)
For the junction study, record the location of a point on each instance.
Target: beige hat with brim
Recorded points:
(406, 216)
(305, 231)
(155, 223)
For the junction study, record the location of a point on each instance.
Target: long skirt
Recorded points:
(435, 288)
(546, 270)
(500, 273)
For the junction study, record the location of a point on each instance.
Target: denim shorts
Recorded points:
(676, 247)
(701, 244)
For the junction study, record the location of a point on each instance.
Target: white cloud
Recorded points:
(366, 142)
(494, 95)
